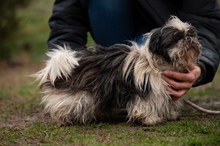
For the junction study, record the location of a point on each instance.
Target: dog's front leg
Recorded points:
(146, 111)
(174, 109)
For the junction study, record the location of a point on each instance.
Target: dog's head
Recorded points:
(176, 41)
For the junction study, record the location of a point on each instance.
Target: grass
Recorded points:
(185, 132)
(22, 121)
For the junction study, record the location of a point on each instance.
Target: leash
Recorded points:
(213, 112)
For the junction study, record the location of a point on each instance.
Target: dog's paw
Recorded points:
(173, 115)
(152, 121)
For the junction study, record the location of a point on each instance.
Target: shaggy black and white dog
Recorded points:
(80, 86)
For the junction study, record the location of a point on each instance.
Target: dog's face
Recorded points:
(175, 41)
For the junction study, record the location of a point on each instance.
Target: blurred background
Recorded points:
(24, 30)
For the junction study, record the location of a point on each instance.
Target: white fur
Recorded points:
(67, 108)
(81, 108)
(177, 23)
(60, 64)
(158, 105)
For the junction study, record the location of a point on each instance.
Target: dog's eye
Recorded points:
(178, 36)
(191, 32)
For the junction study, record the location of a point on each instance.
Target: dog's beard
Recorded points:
(81, 86)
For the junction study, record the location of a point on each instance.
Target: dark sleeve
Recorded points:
(68, 24)
(205, 16)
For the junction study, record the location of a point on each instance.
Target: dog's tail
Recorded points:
(60, 64)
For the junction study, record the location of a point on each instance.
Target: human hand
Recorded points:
(180, 83)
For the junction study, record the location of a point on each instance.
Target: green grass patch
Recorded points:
(173, 133)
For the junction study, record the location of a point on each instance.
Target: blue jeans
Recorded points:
(113, 22)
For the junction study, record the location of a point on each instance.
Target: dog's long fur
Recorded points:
(80, 86)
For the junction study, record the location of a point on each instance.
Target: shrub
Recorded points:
(9, 23)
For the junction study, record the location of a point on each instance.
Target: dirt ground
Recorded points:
(19, 97)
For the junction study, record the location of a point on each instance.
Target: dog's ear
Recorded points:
(156, 44)
(155, 41)
(161, 41)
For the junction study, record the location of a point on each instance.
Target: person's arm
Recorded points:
(68, 24)
(205, 16)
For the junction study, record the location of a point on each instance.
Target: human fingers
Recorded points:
(176, 94)
(181, 77)
(176, 84)
(196, 71)
(187, 78)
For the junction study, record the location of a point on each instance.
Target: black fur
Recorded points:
(100, 73)
(100, 70)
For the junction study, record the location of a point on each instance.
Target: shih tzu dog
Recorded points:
(80, 86)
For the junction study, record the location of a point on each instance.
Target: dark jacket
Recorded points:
(69, 23)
